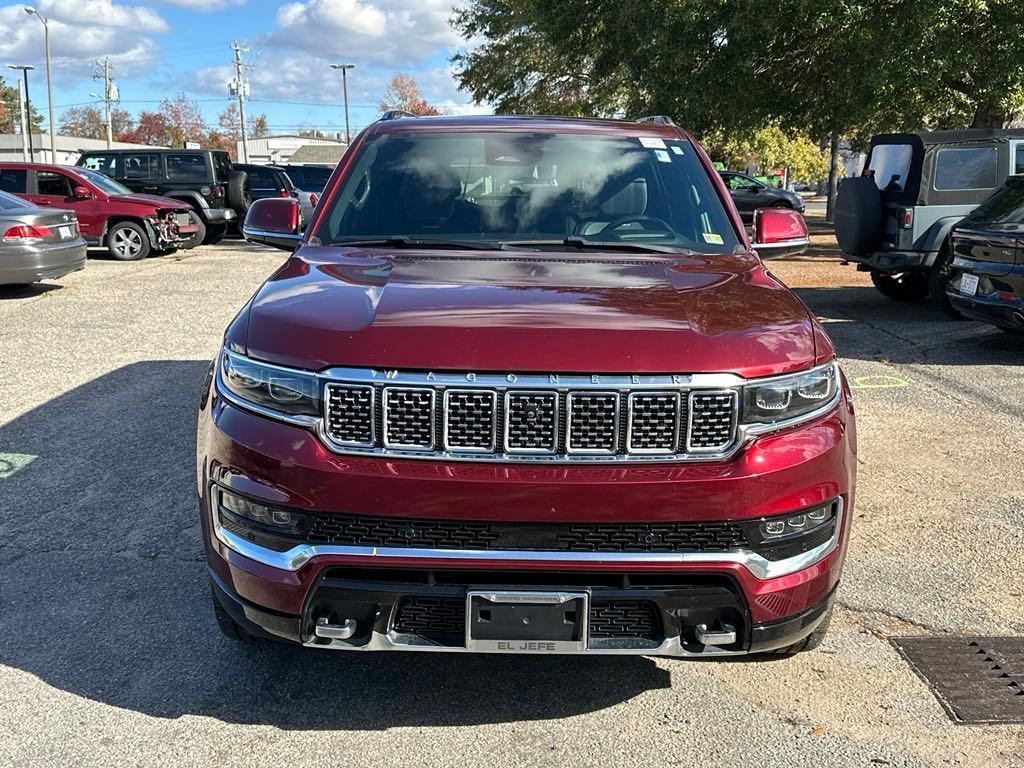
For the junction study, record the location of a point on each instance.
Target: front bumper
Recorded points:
(894, 261)
(32, 263)
(771, 604)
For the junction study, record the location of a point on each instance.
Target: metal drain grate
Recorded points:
(976, 679)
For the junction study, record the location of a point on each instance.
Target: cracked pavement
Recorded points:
(109, 654)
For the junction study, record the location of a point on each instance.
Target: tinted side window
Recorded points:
(1018, 160)
(14, 181)
(222, 164)
(104, 164)
(186, 167)
(262, 178)
(50, 183)
(966, 168)
(140, 166)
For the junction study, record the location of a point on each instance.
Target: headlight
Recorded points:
(784, 398)
(285, 392)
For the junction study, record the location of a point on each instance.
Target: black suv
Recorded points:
(203, 178)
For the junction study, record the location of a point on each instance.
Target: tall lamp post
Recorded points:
(26, 111)
(344, 89)
(49, 81)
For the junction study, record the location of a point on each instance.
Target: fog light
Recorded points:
(267, 518)
(795, 526)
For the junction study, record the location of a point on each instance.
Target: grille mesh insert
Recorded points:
(593, 421)
(712, 421)
(654, 420)
(409, 418)
(624, 618)
(350, 414)
(532, 421)
(471, 420)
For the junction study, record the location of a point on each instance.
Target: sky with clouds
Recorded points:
(159, 48)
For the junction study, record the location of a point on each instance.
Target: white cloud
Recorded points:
(392, 32)
(204, 5)
(80, 31)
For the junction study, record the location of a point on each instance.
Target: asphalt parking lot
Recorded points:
(109, 654)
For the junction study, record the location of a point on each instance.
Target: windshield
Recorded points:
(105, 183)
(10, 202)
(1004, 207)
(519, 186)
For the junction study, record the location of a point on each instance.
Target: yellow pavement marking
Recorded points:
(877, 382)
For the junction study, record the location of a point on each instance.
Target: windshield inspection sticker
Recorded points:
(652, 142)
(713, 239)
(677, 149)
(663, 156)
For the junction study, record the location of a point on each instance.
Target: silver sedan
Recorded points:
(37, 243)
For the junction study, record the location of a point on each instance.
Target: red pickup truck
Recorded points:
(526, 386)
(128, 225)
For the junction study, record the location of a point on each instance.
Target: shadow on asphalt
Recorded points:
(866, 325)
(104, 594)
(27, 291)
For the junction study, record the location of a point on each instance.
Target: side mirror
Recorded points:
(779, 232)
(273, 221)
(82, 193)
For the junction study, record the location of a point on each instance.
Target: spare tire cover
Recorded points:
(859, 222)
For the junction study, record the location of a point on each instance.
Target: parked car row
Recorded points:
(750, 194)
(135, 203)
(940, 215)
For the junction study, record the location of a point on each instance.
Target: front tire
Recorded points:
(198, 236)
(901, 286)
(215, 233)
(809, 643)
(127, 241)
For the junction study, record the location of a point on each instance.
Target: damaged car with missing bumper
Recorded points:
(525, 386)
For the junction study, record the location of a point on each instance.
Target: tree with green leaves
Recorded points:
(10, 110)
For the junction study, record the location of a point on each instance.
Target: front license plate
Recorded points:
(65, 233)
(526, 622)
(969, 284)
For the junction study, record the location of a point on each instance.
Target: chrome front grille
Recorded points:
(524, 418)
(409, 418)
(531, 422)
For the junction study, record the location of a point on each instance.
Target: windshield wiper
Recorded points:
(597, 245)
(404, 241)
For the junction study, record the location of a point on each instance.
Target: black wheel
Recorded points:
(128, 241)
(938, 279)
(229, 626)
(239, 193)
(809, 643)
(901, 286)
(215, 233)
(199, 235)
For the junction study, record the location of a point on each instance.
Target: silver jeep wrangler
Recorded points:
(894, 220)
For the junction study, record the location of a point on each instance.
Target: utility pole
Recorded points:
(240, 87)
(26, 112)
(344, 89)
(110, 94)
(49, 82)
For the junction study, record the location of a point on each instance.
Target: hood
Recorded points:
(528, 312)
(154, 201)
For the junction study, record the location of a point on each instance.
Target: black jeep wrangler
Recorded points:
(895, 219)
(203, 178)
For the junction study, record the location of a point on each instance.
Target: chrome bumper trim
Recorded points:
(296, 557)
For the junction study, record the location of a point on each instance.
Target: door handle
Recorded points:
(43, 202)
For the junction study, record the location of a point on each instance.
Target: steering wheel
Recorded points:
(660, 225)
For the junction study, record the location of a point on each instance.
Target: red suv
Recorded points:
(526, 386)
(128, 225)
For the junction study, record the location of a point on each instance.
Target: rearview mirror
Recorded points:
(82, 193)
(779, 232)
(273, 221)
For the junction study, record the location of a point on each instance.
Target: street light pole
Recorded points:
(26, 112)
(344, 88)
(49, 81)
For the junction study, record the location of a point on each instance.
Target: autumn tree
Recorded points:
(404, 93)
(184, 120)
(87, 122)
(10, 110)
(151, 128)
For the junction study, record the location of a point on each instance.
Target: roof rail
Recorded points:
(396, 114)
(660, 119)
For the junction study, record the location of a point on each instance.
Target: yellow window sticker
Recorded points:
(710, 237)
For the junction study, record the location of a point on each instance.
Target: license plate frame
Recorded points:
(65, 231)
(969, 284)
(546, 629)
